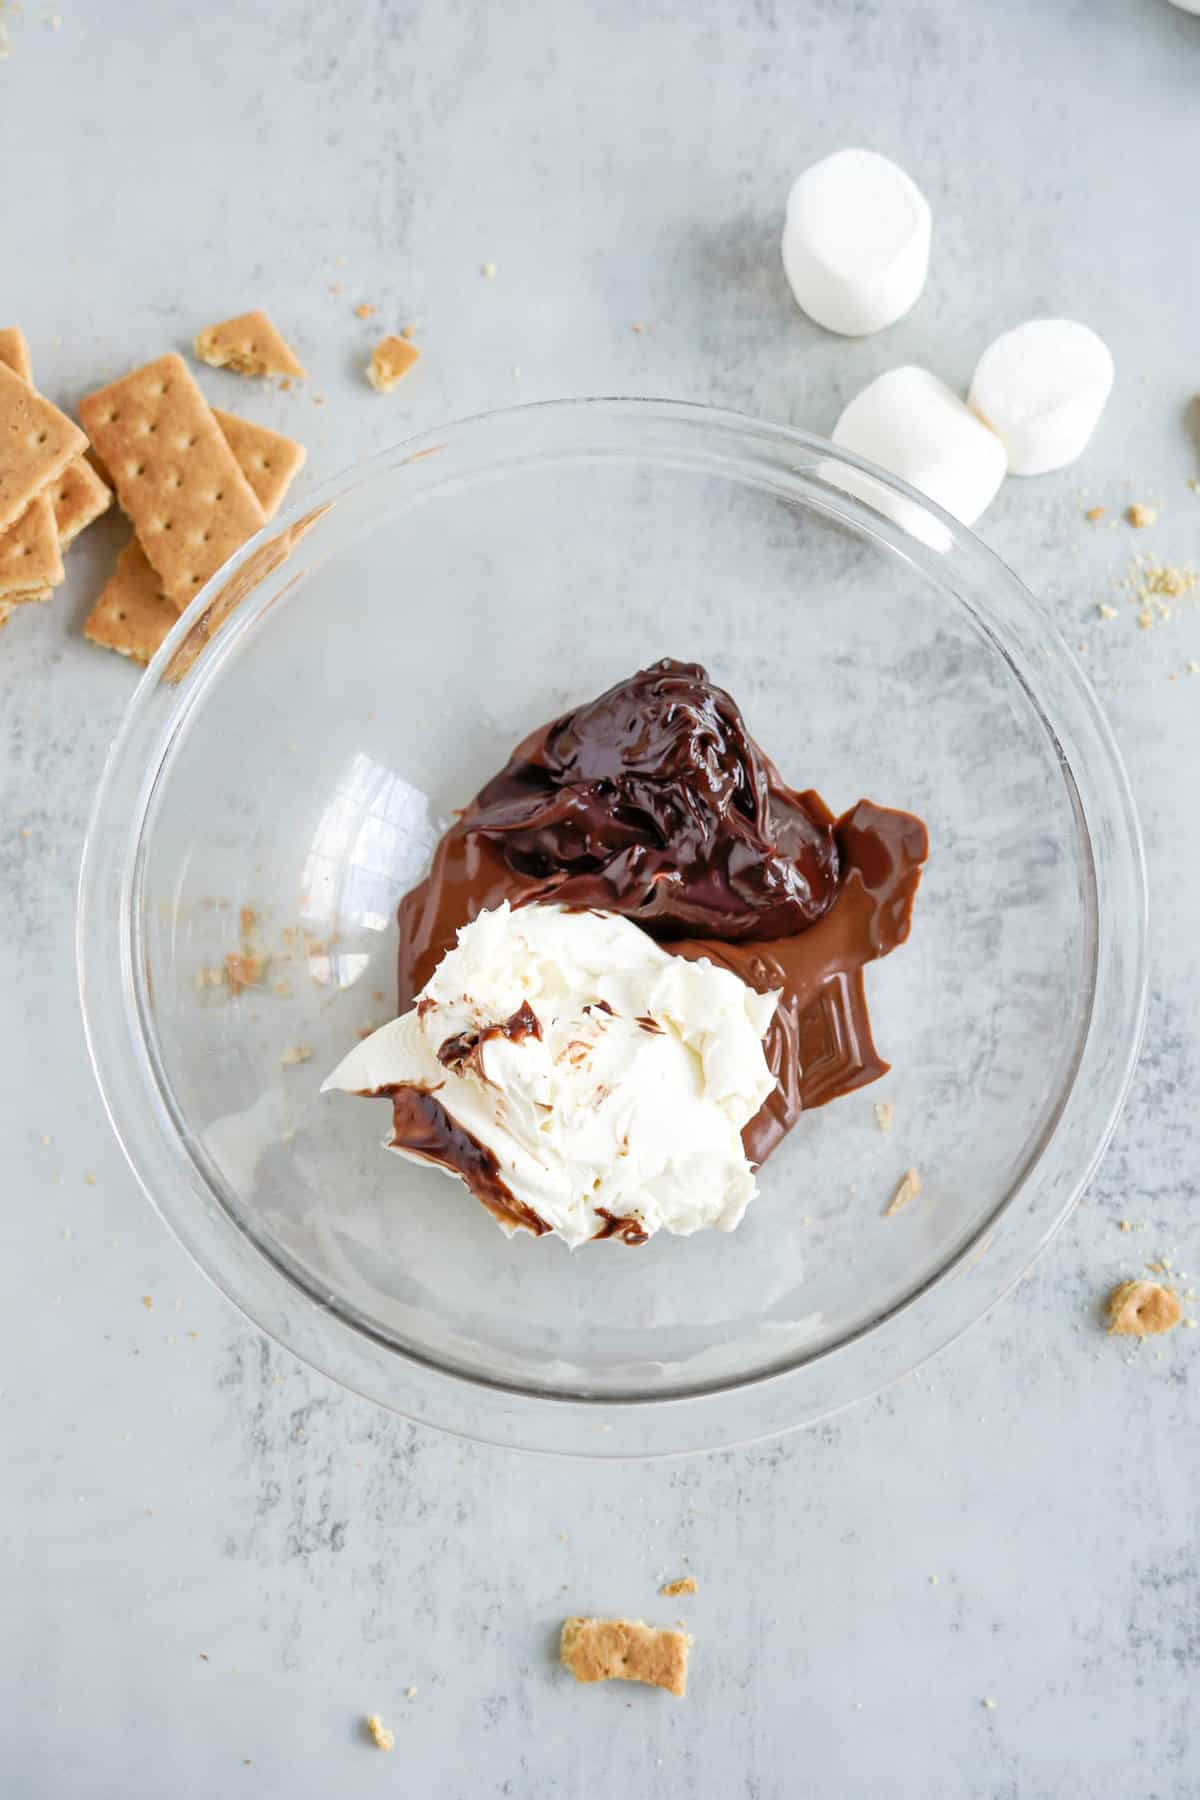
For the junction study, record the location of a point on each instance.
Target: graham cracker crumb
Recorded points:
(1106, 612)
(243, 971)
(687, 1584)
(639, 327)
(1140, 515)
(905, 1194)
(382, 1738)
(248, 919)
(1093, 513)
(365, 311)
(207, 978)
(625, 1650)
(488, 270)
(148, 1302)
(410, 1693)
(296, 1053)
(884, 1114)
(1142, 1309)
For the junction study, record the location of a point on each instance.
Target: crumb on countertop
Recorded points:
(296, 1053)
(1142, 1309)
(1140, 515)
(885, 1114)
(686, 1584)
(382, 1738)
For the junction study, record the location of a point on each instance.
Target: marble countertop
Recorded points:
(215, 1562)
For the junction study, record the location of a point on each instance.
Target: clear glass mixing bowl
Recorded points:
(314, 719)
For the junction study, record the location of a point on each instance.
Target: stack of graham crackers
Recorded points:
(48, 492)
(194, 482)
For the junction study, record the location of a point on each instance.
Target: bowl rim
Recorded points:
(972, 1280)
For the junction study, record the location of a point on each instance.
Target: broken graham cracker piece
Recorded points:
(176, 477)
(14, 352)
(625, 1650)
(1143, 1309)
(249, 345)
(131, 616)
(269, 461)
(390, 362)
(36, 444)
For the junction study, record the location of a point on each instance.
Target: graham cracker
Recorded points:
(14, 352)
(30, 559)
(36, 444)
(390, 362)
(625, 1650)
(78, 495)
(131, 615)
(249, 345)
(7, 609)
(78, 498)
(176, 477)
(269, 461)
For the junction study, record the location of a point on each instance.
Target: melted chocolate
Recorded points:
(422, 1126)
(819, 1044)
(625, 1226)
(655, 802)
(465, 1051)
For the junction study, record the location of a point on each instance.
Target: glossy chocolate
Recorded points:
(655, 802)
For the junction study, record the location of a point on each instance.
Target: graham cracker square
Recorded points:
(176, 477)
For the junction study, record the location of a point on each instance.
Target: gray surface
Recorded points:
(173, 1486)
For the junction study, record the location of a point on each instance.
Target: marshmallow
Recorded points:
(914, 425)
(856, 242)
(1042, 389)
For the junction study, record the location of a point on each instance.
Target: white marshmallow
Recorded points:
(856, 242)
(913, 425)
(1042, 389)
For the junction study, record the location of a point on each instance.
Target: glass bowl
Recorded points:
(307, 729)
